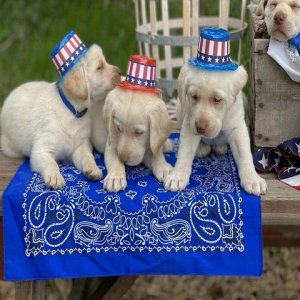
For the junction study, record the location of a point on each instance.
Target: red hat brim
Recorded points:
(129, 86)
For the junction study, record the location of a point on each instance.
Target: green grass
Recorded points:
(30, 29)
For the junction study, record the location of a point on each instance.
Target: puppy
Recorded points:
(37, 124)
(282, 18)
(138, 125)
(211, 113)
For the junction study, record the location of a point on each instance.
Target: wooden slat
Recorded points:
(243, 15)
(153, 21)
(138, 23)
(30, 290)
(186, 6)
(166, 32)
(144, 21)
(195, 27)
(224, 6)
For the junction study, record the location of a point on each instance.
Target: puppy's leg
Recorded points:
(84, 161)
(168, 146)
(115, 179)
(43, 163)
(157, 164)
(220, 149)
(239, 142)
(178, 179)
(203, 149)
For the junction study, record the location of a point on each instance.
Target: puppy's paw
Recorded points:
(161, 172)
(115, 182)
(54, 180)
(220, 149)
(254, 185)
(203, 150)
(176, 181)
(168, 146)
(93, 173)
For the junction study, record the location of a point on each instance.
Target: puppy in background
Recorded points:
(52, 121)
(282, 18)
(211, 112)
(138, 125)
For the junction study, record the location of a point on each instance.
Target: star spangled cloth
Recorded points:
(211, 228)
(283, 159)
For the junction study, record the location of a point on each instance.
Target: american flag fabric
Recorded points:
(67, 53)
(141, 71)
(284, 160)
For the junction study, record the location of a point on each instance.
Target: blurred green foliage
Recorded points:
(30, 29)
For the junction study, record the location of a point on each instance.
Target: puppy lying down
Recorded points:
(138, 125)
(36, 123)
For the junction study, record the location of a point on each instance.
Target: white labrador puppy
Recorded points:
(282, 18)
(138, 125)
(211, 112)
(36, 123)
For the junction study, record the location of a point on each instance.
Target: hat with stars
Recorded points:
(141, 73)
(67, 53)
(213, 51)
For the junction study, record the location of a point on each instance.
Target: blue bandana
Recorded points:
(295, 42)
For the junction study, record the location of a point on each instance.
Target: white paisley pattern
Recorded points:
(83, 217)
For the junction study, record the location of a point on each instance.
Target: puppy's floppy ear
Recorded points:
(108, 114)
(76, 82)
(160, 126)
(260, 10)
(182, 90)
(239, 80)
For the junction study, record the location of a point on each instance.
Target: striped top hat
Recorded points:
(141, 73)
(214, 51)
(67, 53)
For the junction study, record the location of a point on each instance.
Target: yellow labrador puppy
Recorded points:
(282, 18)
(138, 125)
(49, 122)
(211, 112)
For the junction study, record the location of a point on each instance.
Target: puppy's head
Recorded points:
(92, 77)
(206, 96)
(136, 122)
(282, 17)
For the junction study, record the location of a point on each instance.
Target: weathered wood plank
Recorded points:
(30, 290)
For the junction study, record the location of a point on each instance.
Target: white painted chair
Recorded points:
(172, 40)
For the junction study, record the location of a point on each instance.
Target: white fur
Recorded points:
(36, 123)
(282, 17)
(211, 103)
(138, 125)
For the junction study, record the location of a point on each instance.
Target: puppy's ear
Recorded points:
(239, 80)
(260, 10)
(108, 113)
(182, 90)
(76, 82)
(160, 126)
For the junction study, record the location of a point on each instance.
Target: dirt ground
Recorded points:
(280, 281)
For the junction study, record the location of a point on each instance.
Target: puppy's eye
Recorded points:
(194, 97)
(273, 4)
(119, 129)
(100, 66)
(138, 132)
(218, 99)
(294, 6)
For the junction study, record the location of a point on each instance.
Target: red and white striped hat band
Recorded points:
(67, 53)
(141, 74)
(210, 51)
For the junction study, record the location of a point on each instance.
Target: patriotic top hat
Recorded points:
(67, 53)
(214, 51)
(141, 72)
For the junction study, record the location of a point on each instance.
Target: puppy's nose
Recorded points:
(124, 157)
(279, 17)
(200, 127)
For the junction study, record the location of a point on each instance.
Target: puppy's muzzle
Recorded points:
(279, 18)
(201, 127)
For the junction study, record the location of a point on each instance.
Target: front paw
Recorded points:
(162, 171)
(176, 181)
(203, 150)
(93, 173)
(115, 182)
(54, 180)
(254, 184)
